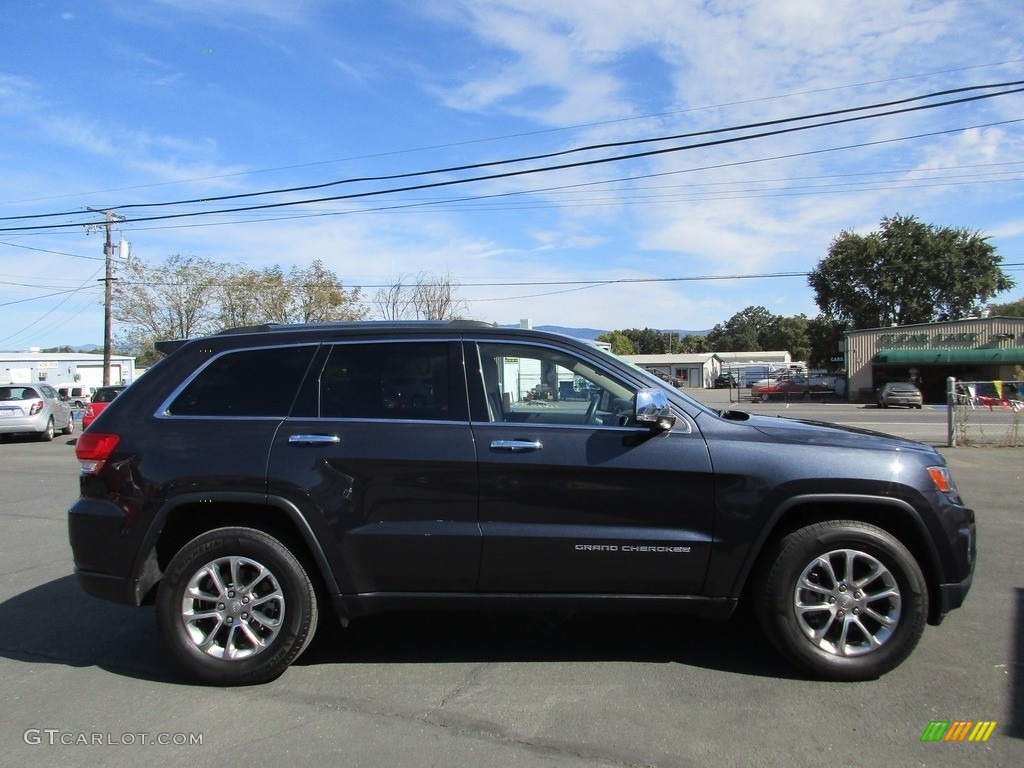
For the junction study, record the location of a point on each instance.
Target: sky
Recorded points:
(683, 167)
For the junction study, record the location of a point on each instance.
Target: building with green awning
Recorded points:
(973, 349)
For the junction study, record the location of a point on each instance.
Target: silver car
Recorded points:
(899, 393)
(35, 409)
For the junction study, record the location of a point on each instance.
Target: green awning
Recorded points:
(989, 356)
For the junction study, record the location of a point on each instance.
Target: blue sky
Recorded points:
(114, 103)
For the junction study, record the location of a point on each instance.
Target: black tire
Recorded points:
(285, 622)
(70, 428)
(47, 434)
(842, 625)
(765, 397)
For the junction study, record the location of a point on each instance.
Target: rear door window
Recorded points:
(415, 380)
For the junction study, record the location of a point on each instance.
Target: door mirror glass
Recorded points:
(653, 410)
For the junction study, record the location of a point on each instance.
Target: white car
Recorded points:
(35, 409)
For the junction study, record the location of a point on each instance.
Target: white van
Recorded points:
(78, 396)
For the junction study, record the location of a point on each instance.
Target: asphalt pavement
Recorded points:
(87, 683)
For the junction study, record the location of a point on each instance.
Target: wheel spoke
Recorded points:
(213, 572)
(809, 586)
(876, 569)
(259, 643)
(825, 563)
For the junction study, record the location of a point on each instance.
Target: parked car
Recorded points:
(34, 409)
(246, 513)
(725, 380)
(899, 393)
(788, 385)
(76, 394)
(102, 396)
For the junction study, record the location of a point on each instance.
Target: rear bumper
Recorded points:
(16, 425)
(107, 587)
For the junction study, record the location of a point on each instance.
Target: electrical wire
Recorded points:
(541, 169)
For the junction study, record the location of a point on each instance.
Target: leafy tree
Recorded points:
(693, 344)
(253, 297)
(826, 340)
(319, 297)
(173, 300)
(187, 296)
(647, 341)
(789, 333)
(745, 331)
(1012, 309)
(907, 272)
(620, 342)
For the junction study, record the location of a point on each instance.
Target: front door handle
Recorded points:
(516, 446)
(313, 439)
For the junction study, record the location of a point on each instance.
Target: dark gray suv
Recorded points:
(384, 466)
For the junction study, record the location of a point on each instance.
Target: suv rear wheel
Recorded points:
(235, 607)
(843, 600)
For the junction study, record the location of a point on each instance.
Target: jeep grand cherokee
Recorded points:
(384, 466)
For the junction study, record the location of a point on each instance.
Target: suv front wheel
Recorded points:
(843, 600)
(235, 607)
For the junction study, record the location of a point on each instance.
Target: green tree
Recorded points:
(254, 297)
(319, 297)
(620, 342)
(743, 332)
(647, 341)
(1012, 309)
(826, 341)
(693, 344)
(907, 272)
(789, 333)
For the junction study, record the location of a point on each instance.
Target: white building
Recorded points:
(59, 368)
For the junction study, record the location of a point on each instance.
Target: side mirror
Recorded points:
(652, 409)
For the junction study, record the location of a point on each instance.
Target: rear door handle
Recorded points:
(313, 439)
(516, 446)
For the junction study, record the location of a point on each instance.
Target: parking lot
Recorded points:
(87, 683)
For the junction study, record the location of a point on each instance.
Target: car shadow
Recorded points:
(59, 624)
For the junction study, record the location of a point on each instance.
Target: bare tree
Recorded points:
(391, 302)
(428, 297)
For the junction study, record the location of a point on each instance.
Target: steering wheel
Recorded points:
(592, 409)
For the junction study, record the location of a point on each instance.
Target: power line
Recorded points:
(540, 132)
(548, 168)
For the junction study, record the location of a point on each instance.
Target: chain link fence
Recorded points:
(985, 413)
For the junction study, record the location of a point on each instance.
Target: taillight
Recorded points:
(93, 449)
(88, 412)
(37, 406)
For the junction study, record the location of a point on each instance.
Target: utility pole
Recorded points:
(108, 281)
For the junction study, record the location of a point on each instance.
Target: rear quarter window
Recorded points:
(251, 382)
